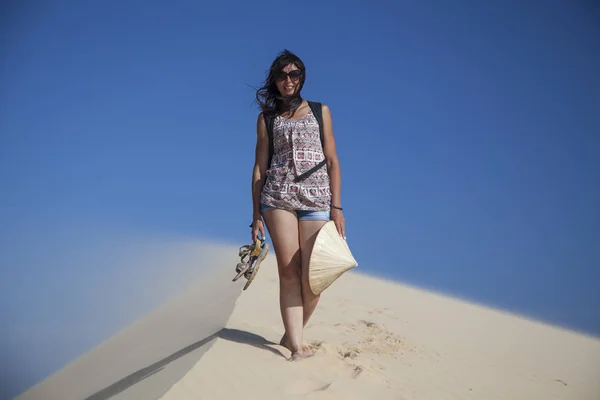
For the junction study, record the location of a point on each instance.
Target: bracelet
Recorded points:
(336, 207)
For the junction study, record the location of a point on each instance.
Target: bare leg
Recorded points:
(308, 233)
(283, 229)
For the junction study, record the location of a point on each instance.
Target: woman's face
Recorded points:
(288, 80)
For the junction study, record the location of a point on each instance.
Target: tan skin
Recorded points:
(293, 239)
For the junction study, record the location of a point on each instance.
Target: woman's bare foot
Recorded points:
(301, 354)
(284, 342)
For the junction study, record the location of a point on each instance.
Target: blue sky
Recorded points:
(468, 135)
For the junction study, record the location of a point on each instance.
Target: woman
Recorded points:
(293, 211)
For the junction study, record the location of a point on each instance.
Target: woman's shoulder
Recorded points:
(264, 115)
(325, 111)
(323, 105)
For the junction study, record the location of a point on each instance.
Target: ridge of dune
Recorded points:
(146, 357)
(382, 339)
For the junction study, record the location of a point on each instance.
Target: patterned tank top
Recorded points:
(296, 149)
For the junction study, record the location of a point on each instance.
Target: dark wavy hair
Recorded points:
(268, 97)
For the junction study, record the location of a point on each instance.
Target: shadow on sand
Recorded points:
(232, 335)
(252, 339)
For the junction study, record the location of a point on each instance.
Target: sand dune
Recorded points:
(379, 339)
(147, 357)
(373, 339)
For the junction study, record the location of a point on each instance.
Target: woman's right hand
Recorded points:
(257, 226)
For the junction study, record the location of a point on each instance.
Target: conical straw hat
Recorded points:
(330, 258)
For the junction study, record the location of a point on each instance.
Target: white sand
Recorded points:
(374, 339)
(382, 340)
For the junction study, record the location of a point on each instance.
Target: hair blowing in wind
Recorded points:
(268, 97)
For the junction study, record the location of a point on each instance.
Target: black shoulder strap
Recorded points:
(269, 124)
(318, 113)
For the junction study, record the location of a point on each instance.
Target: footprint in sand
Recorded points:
(306, 386)
(357, 371)
(346, 327)
(366, 338)
(323, 347)
(351, 356)
(349, 353)
(373, 338)
(386, 312)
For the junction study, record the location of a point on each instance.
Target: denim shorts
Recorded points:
(303, 215)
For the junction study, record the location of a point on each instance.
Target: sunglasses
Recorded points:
(294, 75)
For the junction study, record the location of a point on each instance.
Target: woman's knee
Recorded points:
(290, 273)
(307, 292)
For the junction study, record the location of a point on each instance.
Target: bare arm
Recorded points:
(333, 168)
(259, 174)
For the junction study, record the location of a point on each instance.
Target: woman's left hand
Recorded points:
(338, 218)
